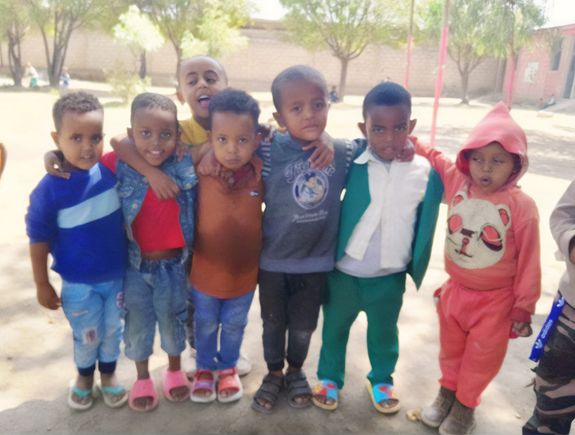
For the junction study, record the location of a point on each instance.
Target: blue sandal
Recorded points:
(382, 398)
(326, 390)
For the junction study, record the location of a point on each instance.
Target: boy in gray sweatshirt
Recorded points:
(555, 345)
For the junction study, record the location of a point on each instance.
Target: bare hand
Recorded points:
(162, 184)
(521, 329)
(55, 165)
(266, 132)
(323, 154)
(406, 153)
(47, 296)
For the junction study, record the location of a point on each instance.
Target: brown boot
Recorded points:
(460, 420)
(434, 414)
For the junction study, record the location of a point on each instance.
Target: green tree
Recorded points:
(137, 31)
(56, 20)
(345, 27)
(198, 26)
(14, 24)
(481, 28)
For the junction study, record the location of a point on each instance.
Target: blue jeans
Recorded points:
(229, 317)
(94, 312)
(155, 293)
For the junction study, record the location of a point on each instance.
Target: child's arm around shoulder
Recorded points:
(438, 160)
(161, 184)
(562, 223)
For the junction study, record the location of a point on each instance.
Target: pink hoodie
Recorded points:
(492, 240)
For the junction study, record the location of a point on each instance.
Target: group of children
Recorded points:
(123, 250)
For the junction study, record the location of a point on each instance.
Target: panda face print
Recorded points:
(476, 232)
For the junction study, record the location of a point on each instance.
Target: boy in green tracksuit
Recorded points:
(387, 222)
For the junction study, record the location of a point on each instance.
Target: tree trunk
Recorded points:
(342, 77)
(143, 65)
(464, 86)
(15, 59)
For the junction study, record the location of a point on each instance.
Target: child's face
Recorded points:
(303, 110)
(490, 167)
(387, 129)
(81, 138)
(200, 78)
(233, 138)
(155, 133)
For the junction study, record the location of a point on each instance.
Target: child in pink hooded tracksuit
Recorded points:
(492, 258)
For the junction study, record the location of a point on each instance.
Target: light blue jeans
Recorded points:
(94, 312)
(229, 318)
(155, 293)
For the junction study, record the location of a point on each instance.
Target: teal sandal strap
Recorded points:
(382, 392)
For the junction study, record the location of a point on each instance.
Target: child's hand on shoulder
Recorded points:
(47, 296)
(266, 132)
(407, 153)
(210, 167)
(521, 329)
(323, 154)
(162, 184)
(55, 165)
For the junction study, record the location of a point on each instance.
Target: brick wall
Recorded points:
(267, 53)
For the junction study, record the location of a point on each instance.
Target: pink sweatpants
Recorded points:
(474, 329)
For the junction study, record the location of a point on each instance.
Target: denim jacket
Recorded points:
(132, 188)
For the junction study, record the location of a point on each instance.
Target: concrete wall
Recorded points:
(268, 52)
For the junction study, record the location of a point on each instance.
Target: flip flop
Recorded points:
(228, 379)
(172, 380)
(110, 392)
(143, 388)
(82, 393)
(328, 390)
(383, 392)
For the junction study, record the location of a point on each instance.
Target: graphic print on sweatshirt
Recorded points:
(476, 232)
(310, 188)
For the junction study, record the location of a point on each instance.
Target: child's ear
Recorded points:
(55, 138)
(130, 133)
(361, 126)
(412, 124)
(279, 119)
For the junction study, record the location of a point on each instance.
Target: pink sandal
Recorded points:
(173, 380)
(228, 379)
(143, 388)
(203, 382)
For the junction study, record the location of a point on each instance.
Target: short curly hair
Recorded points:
(76, 102)
(150, 100)
(236, 101)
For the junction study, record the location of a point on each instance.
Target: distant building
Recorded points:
(546, 69)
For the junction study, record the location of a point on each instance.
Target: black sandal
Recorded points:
(269, 391)
(298, 386)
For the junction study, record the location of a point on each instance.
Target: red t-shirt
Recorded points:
(157, 226)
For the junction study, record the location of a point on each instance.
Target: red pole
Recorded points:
(439, 80)
(409, 46)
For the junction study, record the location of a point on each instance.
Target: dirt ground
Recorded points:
(36, 349)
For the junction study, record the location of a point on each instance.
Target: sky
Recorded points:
(269, 9)
(559, 12)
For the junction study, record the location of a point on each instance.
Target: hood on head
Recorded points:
(497, 126)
